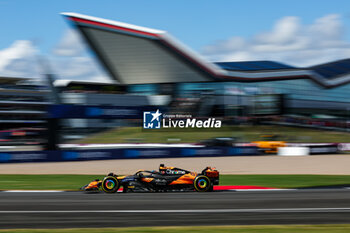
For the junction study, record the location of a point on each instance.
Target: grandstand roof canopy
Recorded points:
(253, 65)
(10, 80)
(67, 82)
(138, 55)
(333, 69)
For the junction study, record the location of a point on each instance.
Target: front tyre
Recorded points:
(110, 184)
(202, 184)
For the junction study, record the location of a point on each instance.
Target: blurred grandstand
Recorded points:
(22, 111)
(94, 94)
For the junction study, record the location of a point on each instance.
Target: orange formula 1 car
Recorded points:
(269, 144)
(166, 179)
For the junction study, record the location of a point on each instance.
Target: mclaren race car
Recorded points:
(163, 180)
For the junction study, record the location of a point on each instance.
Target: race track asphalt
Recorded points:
(75, 209)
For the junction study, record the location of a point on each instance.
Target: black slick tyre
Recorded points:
(110, 184)
(202, 183)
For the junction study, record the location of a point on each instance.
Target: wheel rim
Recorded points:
(110, 184)
(202, 183)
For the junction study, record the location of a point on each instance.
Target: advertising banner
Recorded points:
(123, 153)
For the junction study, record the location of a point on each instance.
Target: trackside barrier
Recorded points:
(130, 153)
(331, 149)
(319, 148)
(344, 146)
(293, 151)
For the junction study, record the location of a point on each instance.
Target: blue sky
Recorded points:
(216, 29)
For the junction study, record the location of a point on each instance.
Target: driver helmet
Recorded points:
(111, 174)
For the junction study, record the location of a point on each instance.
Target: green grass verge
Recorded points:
(74, 182)
(243, 133)
(345, 228)
(286, 181)
(45, 182)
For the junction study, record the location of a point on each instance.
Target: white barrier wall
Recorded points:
(293, 151)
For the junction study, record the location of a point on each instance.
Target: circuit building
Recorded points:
(150, 61)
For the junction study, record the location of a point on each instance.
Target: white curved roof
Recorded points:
(139, 55)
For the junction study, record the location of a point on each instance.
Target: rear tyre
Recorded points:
(202, 184)
(110, 184)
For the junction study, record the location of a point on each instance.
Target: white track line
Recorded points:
(279, 210)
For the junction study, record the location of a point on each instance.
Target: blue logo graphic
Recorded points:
(68, 155)
(235, 151)
(4, 157)
(131, 153)
(92, 112)
(188, 152)
(152, 120)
